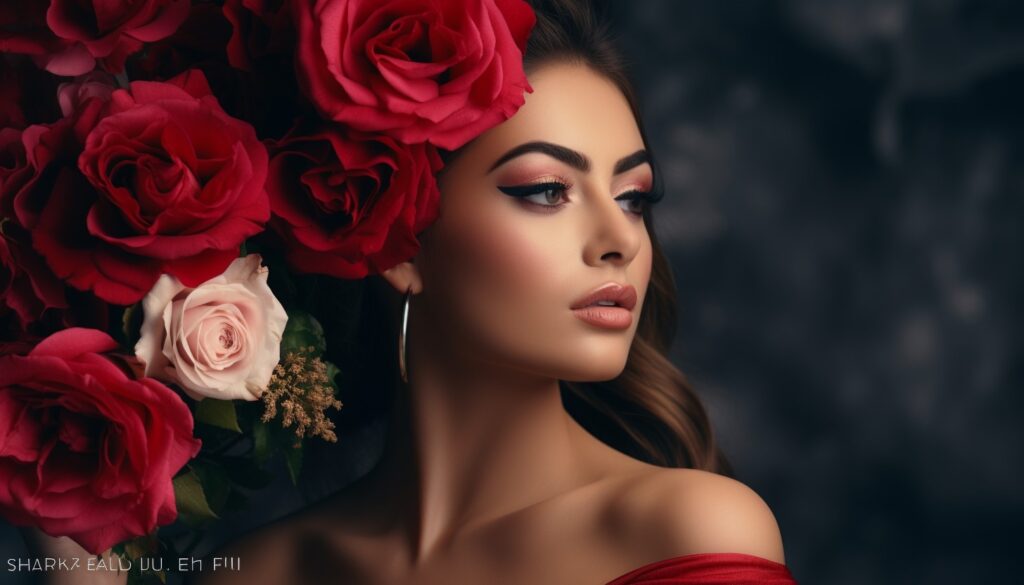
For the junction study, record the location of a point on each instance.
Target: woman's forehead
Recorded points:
(573, 106)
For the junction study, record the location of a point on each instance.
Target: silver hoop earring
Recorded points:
(401, 337)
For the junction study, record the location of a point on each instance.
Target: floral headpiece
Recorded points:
(183, 138)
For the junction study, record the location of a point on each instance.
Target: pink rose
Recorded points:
(86, 449)
(418, 70)
(221, 339)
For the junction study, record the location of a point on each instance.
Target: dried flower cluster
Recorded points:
(301, 388)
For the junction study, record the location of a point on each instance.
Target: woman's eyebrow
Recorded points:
(634, 160)
(569, 156)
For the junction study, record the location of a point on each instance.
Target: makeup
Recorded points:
(609, 306)
(607, 317)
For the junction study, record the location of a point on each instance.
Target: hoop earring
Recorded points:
(401, 337)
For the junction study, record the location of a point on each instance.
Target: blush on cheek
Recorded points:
(500, 258)
(496, 272)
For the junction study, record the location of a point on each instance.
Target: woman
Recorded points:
(485, 477)
(539, 288)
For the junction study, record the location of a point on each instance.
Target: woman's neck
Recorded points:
(467, 444)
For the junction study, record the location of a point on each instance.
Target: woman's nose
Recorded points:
(614, 236)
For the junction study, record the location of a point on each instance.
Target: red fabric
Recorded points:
(709, 569)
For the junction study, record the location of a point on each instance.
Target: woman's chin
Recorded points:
(597, 369)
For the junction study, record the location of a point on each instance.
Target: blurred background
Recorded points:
(844, 213)
(845, 217)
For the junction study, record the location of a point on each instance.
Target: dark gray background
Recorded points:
(843, 214)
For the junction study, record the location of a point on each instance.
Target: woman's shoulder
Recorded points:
(266, 554)
(663, 513)
(262, 555)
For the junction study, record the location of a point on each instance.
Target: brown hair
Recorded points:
(649, 411)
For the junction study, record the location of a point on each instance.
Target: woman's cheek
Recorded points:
(504, 274)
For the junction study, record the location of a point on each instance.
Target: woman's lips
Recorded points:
(609, 305)
(608, 317)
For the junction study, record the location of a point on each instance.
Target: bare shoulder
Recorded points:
(261, 556)
(265, 555)
(673, 512)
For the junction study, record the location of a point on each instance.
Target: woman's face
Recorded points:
(513, 251)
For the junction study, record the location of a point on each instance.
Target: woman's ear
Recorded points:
(404, 275)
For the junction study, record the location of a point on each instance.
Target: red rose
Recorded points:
(260, 28)
(23, 29)
(86, 451)
(197, 44)
(13, 169)
(346, 206)
(11, 114)
(27, 94)
(27, 286)
(72, 95)
(69, 35)
(419, 70)
(39, 301)
(166, 183)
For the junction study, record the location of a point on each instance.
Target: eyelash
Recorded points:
(522, 192)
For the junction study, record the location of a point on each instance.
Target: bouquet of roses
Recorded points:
(174, 178)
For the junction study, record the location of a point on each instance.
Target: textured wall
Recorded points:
(844, 215)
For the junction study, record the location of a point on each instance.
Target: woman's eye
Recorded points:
(545, 194)
(635, 201)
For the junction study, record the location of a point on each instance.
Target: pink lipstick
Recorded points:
(609, 306)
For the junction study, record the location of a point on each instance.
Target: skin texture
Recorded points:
(485, 478)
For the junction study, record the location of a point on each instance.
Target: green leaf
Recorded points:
(219, 413)
(245, 472)
(261, 441)
(248, 412)
(237, 501)
(293, 458)
(141, 546)
(332, 372)
(119, 548)
(301, 332)
(131, 324)
(215, 481)
(191, 500)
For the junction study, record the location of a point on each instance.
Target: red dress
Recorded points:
(709, 569)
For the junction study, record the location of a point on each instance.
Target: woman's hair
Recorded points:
(649, 411)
